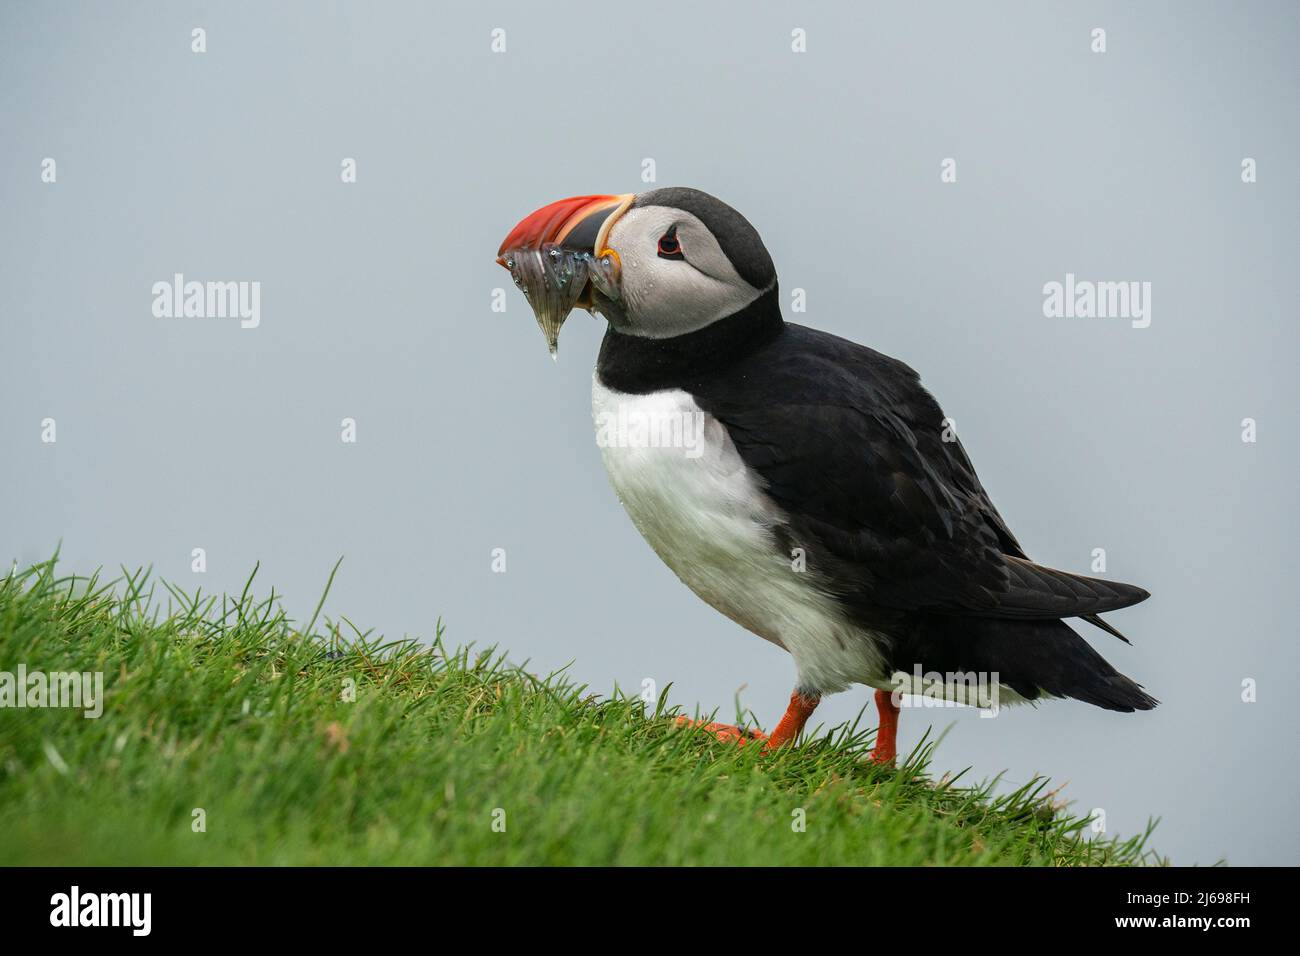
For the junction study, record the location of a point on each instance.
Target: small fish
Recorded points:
(553, 280)
(558, 258)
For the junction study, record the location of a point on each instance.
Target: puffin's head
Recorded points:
(656, 265)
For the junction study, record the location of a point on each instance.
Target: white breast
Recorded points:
(684, 485)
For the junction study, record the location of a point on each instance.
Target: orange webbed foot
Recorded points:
(882, 756)
(787, 731)
(727, 733)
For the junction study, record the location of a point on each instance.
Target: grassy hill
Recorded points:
(231, 736)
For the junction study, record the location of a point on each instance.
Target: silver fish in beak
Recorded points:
(558, 258)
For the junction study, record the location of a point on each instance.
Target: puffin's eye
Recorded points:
(669, 247)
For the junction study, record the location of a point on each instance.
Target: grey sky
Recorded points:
(375, 305)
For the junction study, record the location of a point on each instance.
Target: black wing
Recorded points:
(853, 448)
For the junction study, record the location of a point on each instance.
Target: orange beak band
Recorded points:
(576, 224)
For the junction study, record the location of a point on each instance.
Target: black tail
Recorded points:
(1033, 658)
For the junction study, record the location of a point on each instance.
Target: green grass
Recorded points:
(223, 704)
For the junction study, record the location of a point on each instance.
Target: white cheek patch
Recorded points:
(663, 298)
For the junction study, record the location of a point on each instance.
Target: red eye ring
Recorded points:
(669, 247)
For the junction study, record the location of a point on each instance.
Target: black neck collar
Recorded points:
(630, 363)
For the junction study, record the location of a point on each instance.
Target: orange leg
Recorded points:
(791, 725)
(796, 715)
(887, 736)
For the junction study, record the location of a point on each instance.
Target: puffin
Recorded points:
(807, 487)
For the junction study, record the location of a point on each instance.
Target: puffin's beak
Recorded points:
(559, 259)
